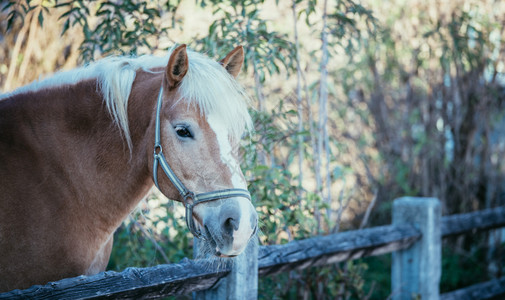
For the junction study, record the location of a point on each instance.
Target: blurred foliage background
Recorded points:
(356, 103)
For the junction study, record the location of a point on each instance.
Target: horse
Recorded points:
(79, 151)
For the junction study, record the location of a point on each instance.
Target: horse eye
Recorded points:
(183, 132)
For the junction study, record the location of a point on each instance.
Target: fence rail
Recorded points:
(198, 275)
(329, 249)
(485, 290)
(154, 282)
(475, 221)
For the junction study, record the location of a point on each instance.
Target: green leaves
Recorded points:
(123, 28)
(120, 27)
(17, 11)
(347, 23)
(239, 23)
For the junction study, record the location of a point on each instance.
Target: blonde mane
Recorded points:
(206, 85)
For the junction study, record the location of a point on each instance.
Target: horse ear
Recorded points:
(177, 66)
(233, 61)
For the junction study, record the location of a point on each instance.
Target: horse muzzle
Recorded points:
(229, 226)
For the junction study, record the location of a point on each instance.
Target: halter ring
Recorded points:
(157, 149)
(189, 196)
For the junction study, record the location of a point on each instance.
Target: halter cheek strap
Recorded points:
(190, 199)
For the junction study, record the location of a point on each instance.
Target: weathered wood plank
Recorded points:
(136, 283)
(494, 289)
(335, 248)
(474, 221)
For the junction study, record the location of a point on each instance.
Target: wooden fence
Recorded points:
(414, 238)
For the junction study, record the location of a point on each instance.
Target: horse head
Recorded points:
(200, 117)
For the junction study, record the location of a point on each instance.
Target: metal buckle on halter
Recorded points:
(157, 150)
(189, 196)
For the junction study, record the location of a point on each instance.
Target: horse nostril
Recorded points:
(229, 217)
(230, 225)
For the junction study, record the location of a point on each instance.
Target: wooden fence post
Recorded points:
(416, 270)
(241, 282)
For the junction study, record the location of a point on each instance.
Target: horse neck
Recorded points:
(100, 178)
(127, 170)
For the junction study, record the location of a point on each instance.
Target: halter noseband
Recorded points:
(190, 199)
